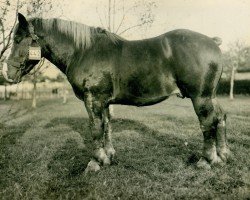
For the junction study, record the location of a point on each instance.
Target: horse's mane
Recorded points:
(81, 34)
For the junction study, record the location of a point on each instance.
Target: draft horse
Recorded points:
(106, 69)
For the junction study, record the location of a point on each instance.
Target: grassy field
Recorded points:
(43, 153)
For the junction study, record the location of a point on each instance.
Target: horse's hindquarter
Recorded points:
(151, 70)
(196, 62)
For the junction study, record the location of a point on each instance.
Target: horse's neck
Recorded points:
(58, 52)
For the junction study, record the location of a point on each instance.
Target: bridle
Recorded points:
(20, 64)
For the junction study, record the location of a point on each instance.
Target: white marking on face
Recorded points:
(223, 123)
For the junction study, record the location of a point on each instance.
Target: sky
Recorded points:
(228, 19)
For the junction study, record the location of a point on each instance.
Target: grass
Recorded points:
(43, 153)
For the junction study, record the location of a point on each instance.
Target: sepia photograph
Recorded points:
(124, 99)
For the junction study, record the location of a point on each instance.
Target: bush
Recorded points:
(240, 87)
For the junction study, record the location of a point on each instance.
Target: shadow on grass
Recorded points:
(141, 152)
(147, 157)
(150, 137)
(66, 168)
(9, 162)
(152, 148)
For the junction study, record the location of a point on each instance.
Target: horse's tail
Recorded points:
(217, 40)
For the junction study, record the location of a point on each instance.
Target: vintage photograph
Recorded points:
(115, 99)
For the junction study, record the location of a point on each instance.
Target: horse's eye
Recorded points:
(17, 40)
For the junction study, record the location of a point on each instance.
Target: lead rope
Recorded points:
(8, 113)
(39, 65)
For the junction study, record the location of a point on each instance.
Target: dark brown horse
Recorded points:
(105, 69)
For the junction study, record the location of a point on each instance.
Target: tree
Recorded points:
(237, 56)
(63, 79)
(7, 9)
(114, 16)
(2, 80)
(36, 73)
(36, 8)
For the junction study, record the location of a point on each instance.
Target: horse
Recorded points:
(104, 69)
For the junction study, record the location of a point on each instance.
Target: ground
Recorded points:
(43, 153)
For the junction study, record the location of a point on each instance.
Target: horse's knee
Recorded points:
(211, 115)
(222, 117)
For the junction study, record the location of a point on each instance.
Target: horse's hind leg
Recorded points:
(213, 124)
(221, 138)
(98, 126)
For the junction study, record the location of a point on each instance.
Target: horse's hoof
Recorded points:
(217, 161)
(102, 157)
(225, 154)
(93, 166)
(110, 151)
(203, 164)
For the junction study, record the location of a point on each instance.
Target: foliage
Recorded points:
(36, 8)
(240, 87)
(232, 60)
(6, 27)
(238, 55)
(245, 65)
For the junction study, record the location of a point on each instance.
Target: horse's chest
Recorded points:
(92, 78)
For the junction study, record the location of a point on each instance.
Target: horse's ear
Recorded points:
(22, 21)
(101, 30)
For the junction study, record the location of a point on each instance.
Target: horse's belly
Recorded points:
(148, 94)
(140, 101)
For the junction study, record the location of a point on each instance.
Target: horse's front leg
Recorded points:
(108, 146)
(99, 127)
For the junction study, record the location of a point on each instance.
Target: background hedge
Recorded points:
(240, 87)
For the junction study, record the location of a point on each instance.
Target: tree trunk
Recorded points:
(22, 92)
(34, 92)
(232, 83)
(109, 16)
(111, 110)
(65, 93)
(5, 92)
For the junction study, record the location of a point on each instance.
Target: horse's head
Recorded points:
(25, 52)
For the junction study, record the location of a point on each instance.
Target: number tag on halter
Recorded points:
(35, 53)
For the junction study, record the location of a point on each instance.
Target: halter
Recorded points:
(34, 52)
